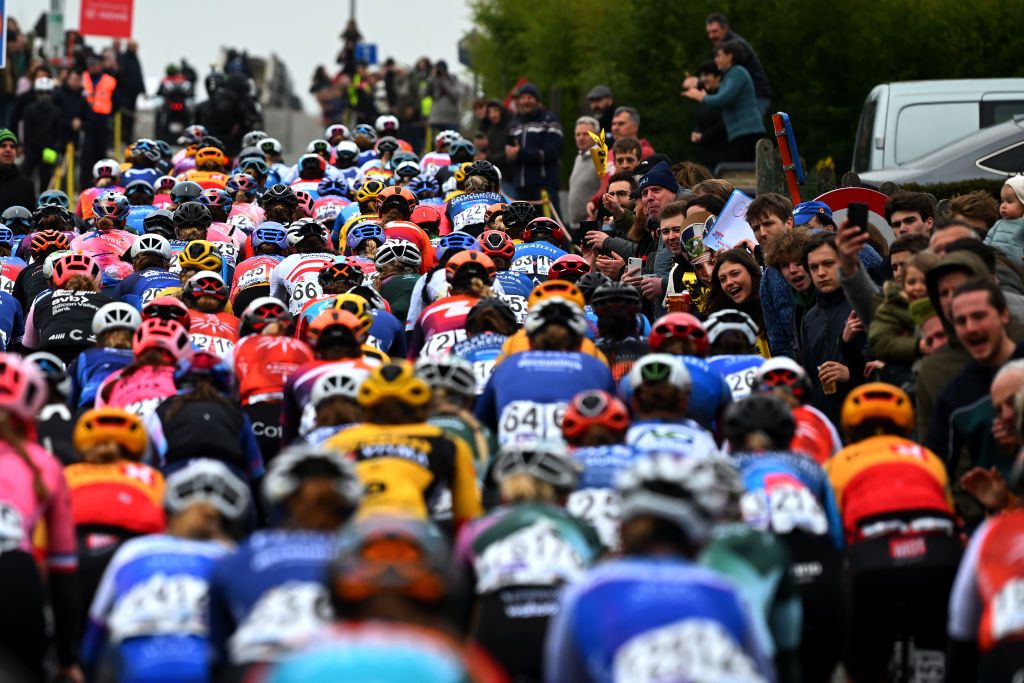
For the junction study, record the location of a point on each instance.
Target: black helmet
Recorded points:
(615, 294)
(485, 169)
(590, 283)
(279, 194)
(47, 210)
(18, 219)
(211, 141)
(387, 144)
(192, 213)
(519, 214)
(760, 413)
(159, 222)
(492, 303)
(185, 191)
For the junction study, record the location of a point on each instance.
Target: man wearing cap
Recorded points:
(814, 215)
(43, 135)
(15, 188)
(534, 157)
(602, 105)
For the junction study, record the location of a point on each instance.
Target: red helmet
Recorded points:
(678, 326)
(470, 259)
(569, 267)
(541, 226)
(260, 313)
(162, 334)
(306, 203)
(496, 243)
(167, 308)
(66, 267)
(591, 408)
(22, 387)
(427, 217)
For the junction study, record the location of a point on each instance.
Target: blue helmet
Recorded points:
(215, 196)
(358, 234)
(242, 182)
(55, 197)
(6, 236)
(454, 242)
(424, 184)
(337, 187)
(207, 365)
(270, 233)
(111, 205)
(365, 129)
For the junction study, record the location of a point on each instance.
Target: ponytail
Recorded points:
(524, 488)
(12, 433)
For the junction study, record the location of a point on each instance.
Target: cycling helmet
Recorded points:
(470, 262)
(260, 313)
(877, 402)
(340, 270)
(244, 183)
(167, 308)
(409, 170)
(693, 492)
(70, 265)
(291, 466)
(192, 214)
(159, 222)
(101, 425)
(730, 320)
(592, 408)
(570, 267)
(365, 130)
(303, 228)
(556, 310)
(424, 185)
(106, 168)
(396, 196)
(452, 373)
(338, 381)
(48, 240)
(369, 190)
(23, 389)
(164, 149)
(484, 169)
(461, 150)
(361, 232)
(253, 137)
(6, 237)
(49, 210)
(678, 326)
(140, 186)
(336, 129)
(547, 461)
(112, 205)
(305, 203)
(185, 191)
(164, 184)
(560, 289)
(270, 233)
(200, 255)
(386, 122)
(217, 197)
(387, 554)
(460, 172)
(782, 372)
(192, 134)
(395, 379)
(204, 283)
(445, 138)
(542, 227)
(519, 214)
(491, 303)
(312, 165)
(333, 187)
(760, 413)
(205, 155)
(208, 481)
(453, 243)
(386, 144)
(207, 365)
(589, 283)
(400, 252)
(270, 146)
(115, 316)
(660, 367)
(254, 166)
(55, 372)
(279, 194)
(357, 306)
(616, 294)
(335, 325)
(166, 335)
(53, 198)
(497, 244)
(346, 149)
(18, 219)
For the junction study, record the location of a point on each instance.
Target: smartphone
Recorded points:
(587, 226)
(633, 266)
(857, 215)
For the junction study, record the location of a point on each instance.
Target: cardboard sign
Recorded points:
(731, 228)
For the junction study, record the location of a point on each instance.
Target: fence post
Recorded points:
(767, 166)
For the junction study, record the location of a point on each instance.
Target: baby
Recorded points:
(1007, 234)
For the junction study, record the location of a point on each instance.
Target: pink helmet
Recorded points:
(22, 387)
(305, 203)
(68, 266)
(157, 333)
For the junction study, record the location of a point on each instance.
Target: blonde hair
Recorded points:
(81, 283)
(524, 488)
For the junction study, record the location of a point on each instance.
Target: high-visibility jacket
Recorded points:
(101, 95)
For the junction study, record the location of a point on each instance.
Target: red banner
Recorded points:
(106, 18)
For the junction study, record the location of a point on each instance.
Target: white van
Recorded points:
(906, 120)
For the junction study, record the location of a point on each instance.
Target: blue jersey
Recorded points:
(482, 351)
(90, 368)
(535, 259)
(788, 492)
(515, 283)
(469, 210)
(685, 437)
(270, 594)
(141, 287)
(737, 371)
(708, 397)
(12, 321)
(596, 499)
(387, 333)
(151, 607)
(136, 215)
(647, 619)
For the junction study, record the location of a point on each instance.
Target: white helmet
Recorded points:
(386, 123)
(285, 474)
(446, 137)
(151, 243)
(660, 367)
(730, 320)
(405, 253)
(548, 461)
(270, 146)
(338, 381)
(302, 228)
(337, 129)
(451, 372)
(115, 316)
(210, 481)
(556, 309)
(252, 137)
(347, 147)
(106, 168)
(52, 259)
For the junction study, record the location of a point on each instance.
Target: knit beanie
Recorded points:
(1016, 184)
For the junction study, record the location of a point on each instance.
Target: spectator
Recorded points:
(719, 32)
(709, 132)
(735, 100)
(771, 214)
(735, 283)
(534, 157)
(15, 188)
(28, 95)
(1007, 234)
(892, 333)
(602, 105)
(44, 131)
(784, 253)
(626, 124)
(130, 84)
(977, 209)
(910, 212)
(74, 108)
(583, 181)
(690, 173)
(100, 89)
(444, 104)
(495, 126)
(950, 232)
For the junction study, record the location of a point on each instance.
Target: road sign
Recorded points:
(366, 52)
(839, 200)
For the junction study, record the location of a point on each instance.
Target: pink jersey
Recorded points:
(328, 208)
(441, 325)
(253, 213)
(107, 247)
(140, 393)
(224, 232)
(21, 512)
(432, 162)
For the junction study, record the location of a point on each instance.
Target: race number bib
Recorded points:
(301, 292)
(260, 275)
(6, 284)
(1007, 609)
(600, 509)
(218, 346)
(474, 215)
(536, 555)
(526, 422)
(12, 527)
(482, 370)
(441, 344)
(284, 615)
(741, 382)
(534, 266)
(518, 306)
(162, 605)
(783, 508)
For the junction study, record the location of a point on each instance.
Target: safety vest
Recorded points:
(100, 97)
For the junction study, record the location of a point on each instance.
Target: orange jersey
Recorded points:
(1000, 579)
(263, 364)
(885, 475)
(213, 332)
(208, 180)
(124, 495)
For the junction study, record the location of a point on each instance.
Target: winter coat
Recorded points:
(1007, 235)
(540, 140)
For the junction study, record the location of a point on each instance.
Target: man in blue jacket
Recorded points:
(535, 153)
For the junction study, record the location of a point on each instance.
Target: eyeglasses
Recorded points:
(620, 193)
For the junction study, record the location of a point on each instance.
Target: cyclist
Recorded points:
(269, 594)
(656, 594)
(211, 328)
(197, 256)
(362, 241)
(279, 203)
(488, 324)
(435, 160)
(211, 166)
(109, 241)
(140, 386)
(148, 620)
(734, 355)
(553, 289)
(406, 464)
(398, 268)
(515, 560)
(10, 266)
(902, 537)
(346, 154)
(140, 196)
(218, 202)
(151, 260)
(244, 190)
(269, 242)
(385, 334)
(498, 245)
(453, 391)
(617, 306)
(408, 231)
(113, 325)
(467, 212)
(335, 397)
(543, 244)
(106, 173)
(32, 279)
(789, 495)
(295, 279)
(434, 283)
(332, 197)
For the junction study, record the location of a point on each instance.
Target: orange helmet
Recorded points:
(591, 408)
(334, 324)
(556, 288)
(470, 259)
(110, 424)
(396, 195)
(208, 154)
(878, 401)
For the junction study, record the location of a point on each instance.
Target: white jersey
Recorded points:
(437, 288)
(685, 437)
(294, 280)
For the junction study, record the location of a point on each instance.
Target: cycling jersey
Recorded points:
(252, 214)
(648, 619)
(29, 284)
(151, 608)
(815, 434)
(143, 286)
(124, 496)
(684, 437)
(514, 561)
(326, 209)
(139, 393)
(432, 162)
(397, 291)
(294, 280)
(737, 371)
(298, 414)
(252, 280)
(181, 431)
(441, 325)
(643, 325)
(270, 595)
(89, 369)
(515, 283)
(534, 259)
(107, 247)
(386, 332)
(208, 180)
(413, 235)
(709, 394)
(429, 288)
(60, 322)
(884, 477)
(227, 232)
(136, 216)
(264, 363)
(12, 321)
(461, 424)
(482, 351)
(467, 212)
(213, 332)
(622, 353)
(596, 499)
(10, 267)
(412, 468)
(227, 251)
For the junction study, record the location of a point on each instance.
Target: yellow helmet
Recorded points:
(460, 172)
(395, 379)
(556, 288)
(100, 425)
(878, 401)
(357, 306)
(201, 255)
(369, 190)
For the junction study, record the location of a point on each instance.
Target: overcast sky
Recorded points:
(303, 33)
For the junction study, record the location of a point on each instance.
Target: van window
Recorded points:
(865, 134)
(924, 128)
(993, 112)
(1009, 160)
